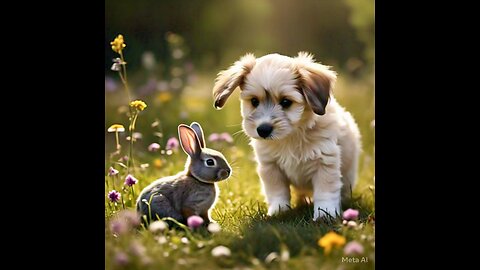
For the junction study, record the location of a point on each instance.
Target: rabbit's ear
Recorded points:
(198, 129)
(189, 140)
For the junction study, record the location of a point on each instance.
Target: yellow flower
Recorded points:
(157, 163)
(164, 97)
(138, 105)
(118, 44)
(331, 239)
(116, 128)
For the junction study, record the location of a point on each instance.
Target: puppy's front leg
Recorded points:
(275, 187)
(326, 191)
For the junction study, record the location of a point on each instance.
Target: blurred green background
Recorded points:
(216, 32)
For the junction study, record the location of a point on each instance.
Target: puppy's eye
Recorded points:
(255, 102)
(285, 103)
(210, 162)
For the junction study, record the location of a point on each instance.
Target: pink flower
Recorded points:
(172, 143)
(194, 222)
(153, 147)
(353, 247)
(350, 214)
(214, 137)
(226, 137)
(114, 196)
(112, 171)
(119, 226)
(130, 180)
(121, 258)
(124, 222)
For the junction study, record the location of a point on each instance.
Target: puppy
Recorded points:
(300, 135)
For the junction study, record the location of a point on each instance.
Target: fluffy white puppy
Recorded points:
(300, 135)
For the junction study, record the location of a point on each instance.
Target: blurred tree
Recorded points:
(363, 19)
(218, 32)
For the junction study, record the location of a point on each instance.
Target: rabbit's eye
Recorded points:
(210, 162)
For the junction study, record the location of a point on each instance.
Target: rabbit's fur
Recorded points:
(191, 192)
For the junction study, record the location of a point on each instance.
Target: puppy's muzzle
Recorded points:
(264, 130)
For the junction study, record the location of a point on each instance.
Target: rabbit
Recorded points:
(192, 191)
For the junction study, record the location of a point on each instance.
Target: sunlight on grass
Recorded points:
(287, 241)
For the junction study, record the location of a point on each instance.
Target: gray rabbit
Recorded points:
(192, 191)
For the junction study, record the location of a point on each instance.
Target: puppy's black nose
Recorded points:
(264, 130)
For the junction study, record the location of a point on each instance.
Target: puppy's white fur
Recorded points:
(315, 143)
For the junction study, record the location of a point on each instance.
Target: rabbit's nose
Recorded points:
(223, 173)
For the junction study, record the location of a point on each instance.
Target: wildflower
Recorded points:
(123, 159)
(136, 136)
(157, 226)
(351, 224)
(172, 143)
(157, 163)
(271, 257)
(353, 247)
(116, 128)
(144, 166)
(164, 97)
(194, 222)
(221, 251)
(118, 44)
(214, 137)
(137, 248)
(129, 217)
(114, 196)
(176, 83)
(330, 240)
(184, 240)
(153, 147)
(117, 64)
(130, 180)
(112, 171)
(214, 227)
(162, 240)
(118, 226)
(162, 86)
(226, 137)
(138, 105)
(146, 260)
(121, 258)
(148, 60)
(350, 214)
(110, 84)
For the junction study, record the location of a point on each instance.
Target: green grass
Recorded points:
(240, 210)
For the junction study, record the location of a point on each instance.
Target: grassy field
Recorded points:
(255, 241)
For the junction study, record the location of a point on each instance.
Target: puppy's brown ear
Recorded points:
(315, 81)
(228, 80)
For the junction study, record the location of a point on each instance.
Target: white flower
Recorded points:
(158, 226)
(271, 257)
(352, 224)
(214, 227)
(221, 251)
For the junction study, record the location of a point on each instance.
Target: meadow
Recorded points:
(246, 238)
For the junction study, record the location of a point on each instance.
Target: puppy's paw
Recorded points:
(277, 207)
(325, 208)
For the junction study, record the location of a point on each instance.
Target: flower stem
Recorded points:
(132, 129)
(118, 142)
(121, 196)
(133, 194)
(113, 182)
(123, 76)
